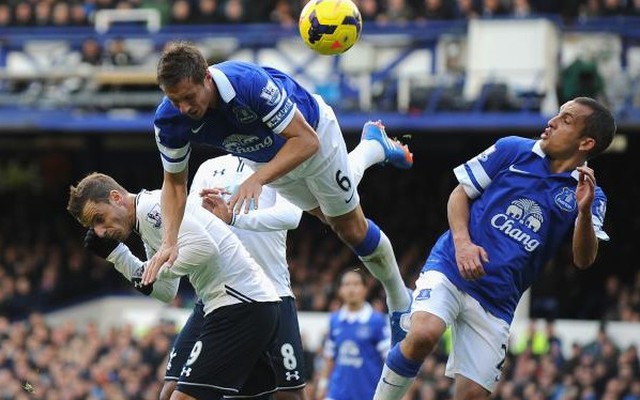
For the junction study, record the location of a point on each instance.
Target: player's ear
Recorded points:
(587, 143)
(115, 196)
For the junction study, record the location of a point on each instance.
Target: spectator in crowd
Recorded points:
(117, 54)
(23, 14)
(181, 12)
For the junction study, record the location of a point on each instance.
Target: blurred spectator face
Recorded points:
(208, 7)
(234, 11)
(43, 13)
(78, 15)
(91, 52)
(181, 11)
(61, 14)
(5, 15)
(23, 14)
(353, 291)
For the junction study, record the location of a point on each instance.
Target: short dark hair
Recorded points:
(94, 187)
(358, 271)
(600, 125)
(180, 60)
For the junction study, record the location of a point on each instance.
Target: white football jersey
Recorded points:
(218, 266)
(263, 231)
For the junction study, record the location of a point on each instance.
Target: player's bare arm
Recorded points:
(302, 143)
(469, 256)
(174, 198)
(585, 242)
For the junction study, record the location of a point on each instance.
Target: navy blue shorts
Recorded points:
(287, 354)
(231, 354)
(184, 343)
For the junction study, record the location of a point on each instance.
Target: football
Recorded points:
(330, 27)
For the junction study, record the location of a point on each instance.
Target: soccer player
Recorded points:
(293, 142)
(356, 345)
(514, 206)
(263, 232)
(240, 304)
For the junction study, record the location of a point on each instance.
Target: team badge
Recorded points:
(566, 199)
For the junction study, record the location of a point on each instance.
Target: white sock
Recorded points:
(382, 265)
(392, 386)
(366, 153)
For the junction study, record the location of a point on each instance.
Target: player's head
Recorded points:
(582, 125)
(183, 77)
(353, 288)
(101, 203)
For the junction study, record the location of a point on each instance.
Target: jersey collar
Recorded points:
(226, 90)
(362, 315)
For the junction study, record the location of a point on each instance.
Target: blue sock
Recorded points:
(399, 364)
(370, 242)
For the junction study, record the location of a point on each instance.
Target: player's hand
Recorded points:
(213, 202)
(470, 258)
(246, 197)
(586, 188)
(166, 256)
(101, 247)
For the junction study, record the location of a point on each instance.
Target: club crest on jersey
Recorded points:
(270, 93)
(522, 217)
(239, 144)
(484, 156)
(244, 115)
(154, 217)
(566, 199)
(424, 294)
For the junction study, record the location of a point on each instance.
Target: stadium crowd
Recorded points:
(285, 12)
(65, 361)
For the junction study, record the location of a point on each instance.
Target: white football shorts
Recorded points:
(325, 180)
(479, 339)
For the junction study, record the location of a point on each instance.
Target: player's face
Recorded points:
(563, 137)
(111, 220)
(191, 98)
(352, 290)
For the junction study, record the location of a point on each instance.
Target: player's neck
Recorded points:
(354, 307)
(565, 165)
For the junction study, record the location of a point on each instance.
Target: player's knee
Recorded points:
(423, 336)
(167, 389)
(176, 395)
(352, 227)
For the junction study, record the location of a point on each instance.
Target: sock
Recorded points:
(397, 376)
(376, 253)
(366, 153)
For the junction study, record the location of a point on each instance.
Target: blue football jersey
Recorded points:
(357, 343)
(520, 214)
(256, 104)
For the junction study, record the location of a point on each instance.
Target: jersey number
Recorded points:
(343, 181)
(195, 352)
(288, 356)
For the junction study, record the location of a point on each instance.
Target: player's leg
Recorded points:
(288, 355)
(376, 147)
(479, 350)
(466, 389)
(232, 341)
(436, 302)
(181, 349)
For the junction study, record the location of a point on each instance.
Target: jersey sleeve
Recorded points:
(598, 211)
(329, 350)
(131, 267)
(197, 249)
(477, 173)
(171, 132)
(282, 215)
(271, 101)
